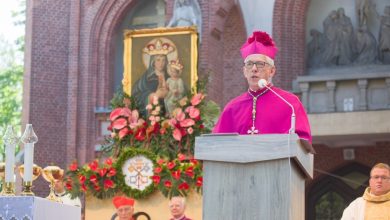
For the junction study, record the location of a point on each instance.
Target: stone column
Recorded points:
(331, 86)
(362, 85)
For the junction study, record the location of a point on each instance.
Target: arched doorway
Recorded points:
(327, 197)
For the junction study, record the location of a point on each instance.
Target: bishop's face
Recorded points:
(257, 68)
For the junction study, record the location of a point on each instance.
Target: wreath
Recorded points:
(121, 183)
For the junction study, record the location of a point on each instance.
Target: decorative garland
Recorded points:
(123, 157)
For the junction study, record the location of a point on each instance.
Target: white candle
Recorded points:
(9, 163)
(28, 161)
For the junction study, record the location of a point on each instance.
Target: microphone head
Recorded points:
(262, 83)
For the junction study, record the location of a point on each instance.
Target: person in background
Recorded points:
(124, 207)
(59, 191)
(177, 206)
(258, 110)
(375, 202)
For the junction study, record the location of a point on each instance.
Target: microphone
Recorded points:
(263, 83)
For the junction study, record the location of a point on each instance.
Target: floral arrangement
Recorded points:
(98, 178)
(178, 176)
(169, 137)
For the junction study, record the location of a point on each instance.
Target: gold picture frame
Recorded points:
(142, 46)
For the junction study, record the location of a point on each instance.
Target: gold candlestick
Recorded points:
(8, 189)
(27, 185)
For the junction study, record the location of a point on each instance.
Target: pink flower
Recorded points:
(119, 123)
(134, 119)
(115, 114)
(177, 134)
(187, 122)
(190, 130)
(196, 99)
(125, 112)
(183, 101)
(180, 116)
(123, 132)
(160, 161)
(193, 112)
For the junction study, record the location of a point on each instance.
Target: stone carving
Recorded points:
(384, 37)
(363, 10)
(338, 30)
(340, 45)
(366, 46)
(186, 13)
(316, 48)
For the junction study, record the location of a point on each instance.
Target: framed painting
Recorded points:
(161, 64)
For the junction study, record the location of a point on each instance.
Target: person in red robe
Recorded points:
(260, 110)
(124, 207)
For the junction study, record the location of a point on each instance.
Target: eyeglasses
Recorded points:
(384, 178)
(259, 64)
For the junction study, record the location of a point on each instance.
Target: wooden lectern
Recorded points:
(253, 177)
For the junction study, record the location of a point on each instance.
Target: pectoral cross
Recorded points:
(253, 130)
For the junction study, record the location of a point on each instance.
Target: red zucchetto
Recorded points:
(119, 201)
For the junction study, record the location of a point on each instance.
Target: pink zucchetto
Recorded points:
(259, 43)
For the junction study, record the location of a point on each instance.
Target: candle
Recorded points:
(10, 141)
(29, 139)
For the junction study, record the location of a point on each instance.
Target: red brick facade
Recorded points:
(69, 66)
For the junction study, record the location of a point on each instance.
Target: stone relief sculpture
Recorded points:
(366, 46)
(363, 10)
(384, 37)
(186, 13)
(316, 48)
(340, 45)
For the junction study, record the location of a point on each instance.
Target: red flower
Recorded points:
(68, 185)
(111, 172)
(171, 165)
(160, 161)
(102, 172)
(184, 186)
(157, 170)
(168, 184)
(156, 179)
(194, 161)
(96, 187)
(108, 184)
(93, 165)
(93, 179)
(73, 166)
(108, 161)
(181, 157)
(140, 134)
(82, 179)
(190, 172)
(199, 181)
(176, 174)
(201, 126)
(83, 187)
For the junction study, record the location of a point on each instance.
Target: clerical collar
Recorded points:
(60, 194)
(255, 95)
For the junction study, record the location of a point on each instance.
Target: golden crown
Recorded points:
(176, 64)
(159, 48)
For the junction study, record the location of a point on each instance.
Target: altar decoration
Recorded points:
(148, 152)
